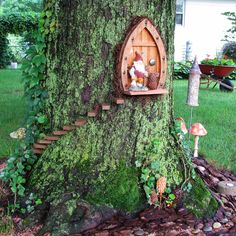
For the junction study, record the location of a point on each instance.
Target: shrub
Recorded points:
(181, 70)
(229, 50)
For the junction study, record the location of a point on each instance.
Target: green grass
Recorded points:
(217, 113)
(12, 108)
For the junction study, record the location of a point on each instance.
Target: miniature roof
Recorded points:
(198, 130)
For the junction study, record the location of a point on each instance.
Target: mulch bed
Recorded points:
(171, 222)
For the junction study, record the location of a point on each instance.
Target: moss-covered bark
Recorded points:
(96, 162)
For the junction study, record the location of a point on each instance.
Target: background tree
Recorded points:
(15, 42)
(111, 159)
(21, 6)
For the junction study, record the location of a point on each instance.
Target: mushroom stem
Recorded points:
(196, 146)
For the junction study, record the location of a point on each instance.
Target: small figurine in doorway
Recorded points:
(138, 74)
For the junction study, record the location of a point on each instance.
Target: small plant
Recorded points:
(155, 186)
(162, 196)
(218, 62)
(6, 224)
(181, 70)
(29, 206)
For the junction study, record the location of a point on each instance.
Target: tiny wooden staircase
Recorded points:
(41, 145)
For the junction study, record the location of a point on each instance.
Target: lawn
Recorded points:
(12, 108)
(217, 113)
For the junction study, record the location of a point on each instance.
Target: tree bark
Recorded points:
(96, 162)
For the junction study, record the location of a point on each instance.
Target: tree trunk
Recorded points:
(96, 162)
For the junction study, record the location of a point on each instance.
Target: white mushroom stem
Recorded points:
(195, 154)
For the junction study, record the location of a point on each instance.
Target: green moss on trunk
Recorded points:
(200, 201)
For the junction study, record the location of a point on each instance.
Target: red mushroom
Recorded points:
(182, 125)
(197, 130)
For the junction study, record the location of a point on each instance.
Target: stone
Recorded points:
(196, 231)
(207, 229)
(227, 187)
(216, 225)
(139, 232)
(224, 221)
(199, 226)
(228, 214)
(201, 168)
(214, 180)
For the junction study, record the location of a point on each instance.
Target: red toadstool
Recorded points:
(182, 125)
(197, 130)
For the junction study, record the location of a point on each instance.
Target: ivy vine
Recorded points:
(34, 67)
(23, 159)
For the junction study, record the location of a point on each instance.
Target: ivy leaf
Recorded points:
(39, 59)
(21, 190)
(42, 119)
(155, 165)
(13, 189)
(38, 202)
(147, 190)
(172, 196)
(20, 167)
(138, 163)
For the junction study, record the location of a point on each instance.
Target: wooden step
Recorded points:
(119, 101)
(43, 141)
(68, 127)
(95, 111)
(39, 146)
(80, 122)
(60, 132)
(106, 107)
(92, 113)
(37, 151)
(149, 92)
(52, 138)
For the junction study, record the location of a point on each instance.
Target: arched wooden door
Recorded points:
(144, 39)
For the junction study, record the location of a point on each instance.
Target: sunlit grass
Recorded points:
(217, 113)
(12, 108)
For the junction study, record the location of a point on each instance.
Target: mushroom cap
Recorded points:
(197, 129)
(182, 125)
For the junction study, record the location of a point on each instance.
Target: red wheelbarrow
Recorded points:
(215, 75)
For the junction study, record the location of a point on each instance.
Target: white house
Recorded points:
(200, 27)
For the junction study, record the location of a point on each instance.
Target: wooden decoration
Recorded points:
(44, 141)
(94, 112)
(37, 151)
(119, 101)
(80, 122)
(40, 146)
(144, 39)
(60, 132)
(106, 107)
(68, 127)
(52, 138)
